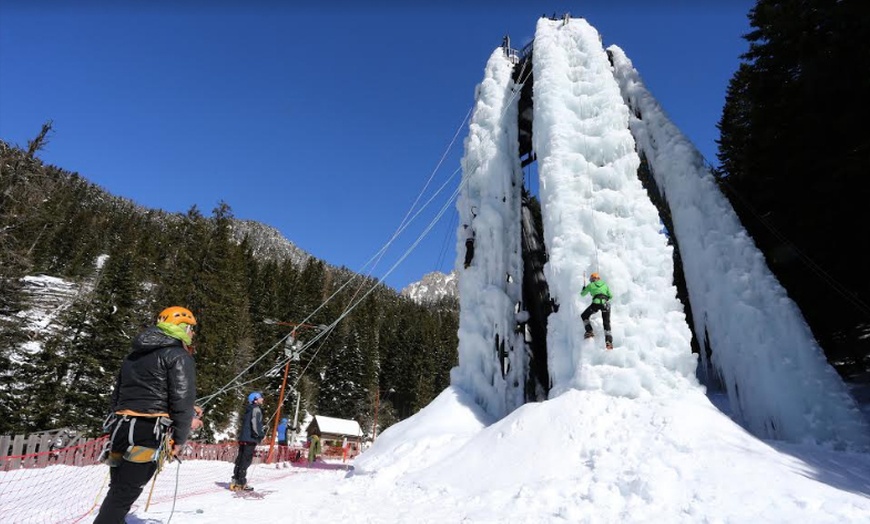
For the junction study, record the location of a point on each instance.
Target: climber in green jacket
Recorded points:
(601, 297)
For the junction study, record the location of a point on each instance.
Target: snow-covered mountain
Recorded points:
(268, 243)
(433, 287)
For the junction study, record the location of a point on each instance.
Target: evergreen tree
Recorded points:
(14, 262)
(225, 337)
(342, 382)
(45, 373)
(95, 354)
(794, 151)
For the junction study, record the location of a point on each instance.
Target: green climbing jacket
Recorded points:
(600, 292)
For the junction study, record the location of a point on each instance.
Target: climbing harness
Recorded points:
(107, 456)
(605, 301)
(135, 452)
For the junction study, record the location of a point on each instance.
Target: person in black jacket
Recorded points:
(153, 402)
(251, 433)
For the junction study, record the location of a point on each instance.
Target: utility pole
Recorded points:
(292, 353)
(295, 432)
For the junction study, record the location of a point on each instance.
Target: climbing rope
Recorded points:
(175, 492)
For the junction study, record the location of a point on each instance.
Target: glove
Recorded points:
(175, 452)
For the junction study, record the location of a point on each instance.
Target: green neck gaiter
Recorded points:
(176, 331)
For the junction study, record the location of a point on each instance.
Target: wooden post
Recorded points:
(30, 450)
(5, 442)
(17, 449)
(280, 403)
(43, 450)
(296, 325)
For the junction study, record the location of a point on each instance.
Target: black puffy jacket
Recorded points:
(158, 376)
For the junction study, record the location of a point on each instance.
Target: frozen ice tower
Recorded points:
(612, 170)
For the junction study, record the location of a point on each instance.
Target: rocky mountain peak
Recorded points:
(432, 288)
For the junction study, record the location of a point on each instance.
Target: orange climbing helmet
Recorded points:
(177, 315)
(594, 276)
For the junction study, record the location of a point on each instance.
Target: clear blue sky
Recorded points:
(324, 122)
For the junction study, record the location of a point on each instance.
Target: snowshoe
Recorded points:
(589, 334)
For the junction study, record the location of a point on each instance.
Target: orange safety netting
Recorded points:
(67, 485)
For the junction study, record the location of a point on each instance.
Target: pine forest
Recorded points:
(128, 263)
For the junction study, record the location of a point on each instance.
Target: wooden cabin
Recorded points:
(332, 432)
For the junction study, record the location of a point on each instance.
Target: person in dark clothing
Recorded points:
(469, 245)
(601, 297)
(153, 402)
(251, 433)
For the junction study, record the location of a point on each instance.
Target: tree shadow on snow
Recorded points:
(844, 470)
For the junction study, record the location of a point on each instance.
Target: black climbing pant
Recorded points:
(243, 461)
(605, 317)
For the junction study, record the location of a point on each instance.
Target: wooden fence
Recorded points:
(67, 447)
(59, 446)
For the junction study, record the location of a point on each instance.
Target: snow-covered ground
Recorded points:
(582, 457)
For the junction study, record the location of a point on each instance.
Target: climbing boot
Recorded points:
(589, 334)
(608, 345)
